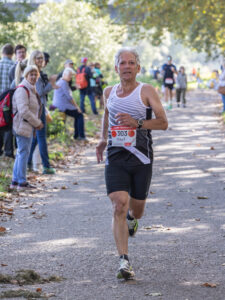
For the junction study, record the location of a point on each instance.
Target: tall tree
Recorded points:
(72, 30)
(200, 24)
(13, 25)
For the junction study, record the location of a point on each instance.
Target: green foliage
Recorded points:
(199, 24)
(90, 128)
(14, 27)
(57, 155)
(71, 29)
(57, 126)
(5, 173)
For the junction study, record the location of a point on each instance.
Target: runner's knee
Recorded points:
(120, 204)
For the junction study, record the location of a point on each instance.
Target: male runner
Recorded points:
(128, 124)
(169, 70)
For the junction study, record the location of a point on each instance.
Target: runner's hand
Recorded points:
(126, 120)
(99, 150)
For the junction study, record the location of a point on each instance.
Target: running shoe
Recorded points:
(132, 226)
(125, 270)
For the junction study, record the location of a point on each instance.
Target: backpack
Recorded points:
(6, 114)
(81, 80)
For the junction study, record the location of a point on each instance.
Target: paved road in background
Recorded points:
(180, 243)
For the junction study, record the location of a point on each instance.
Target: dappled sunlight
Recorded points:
(60, 245)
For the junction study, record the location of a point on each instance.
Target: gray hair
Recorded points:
(127, 49)
(68, 71)
(29, 69)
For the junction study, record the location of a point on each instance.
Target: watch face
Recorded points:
(140, 122)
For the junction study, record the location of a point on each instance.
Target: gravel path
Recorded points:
(66, 230)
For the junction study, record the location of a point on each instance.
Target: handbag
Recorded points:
(221, 90)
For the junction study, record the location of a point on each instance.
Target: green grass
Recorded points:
(6, 166)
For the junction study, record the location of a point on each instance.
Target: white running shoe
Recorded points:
(125, 270)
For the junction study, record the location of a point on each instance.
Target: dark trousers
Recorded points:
(180, 93)
(87, 92)
(78, 122)
(6, 140)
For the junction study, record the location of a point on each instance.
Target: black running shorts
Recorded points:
(169, 86)
(133, 179)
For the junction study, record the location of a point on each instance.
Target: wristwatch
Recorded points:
(140, 123)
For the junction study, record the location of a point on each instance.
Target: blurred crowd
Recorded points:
(25, 81)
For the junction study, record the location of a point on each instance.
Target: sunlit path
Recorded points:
(180, 243)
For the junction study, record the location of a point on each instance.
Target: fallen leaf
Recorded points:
(64, 187)
(2, 229)
(212, 148)
(153, 294)
(39, 290)
(208, 284)
(148, 227)
(197, 220)
(4, 265)
(75, 183)
(202, 197)
(152, 193)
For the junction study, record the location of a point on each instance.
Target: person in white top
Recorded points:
(128, 124)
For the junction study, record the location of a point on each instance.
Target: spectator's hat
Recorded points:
(84, 59)
(68, 61)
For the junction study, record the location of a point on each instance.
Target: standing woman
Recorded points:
(26, 110)
(43, 86)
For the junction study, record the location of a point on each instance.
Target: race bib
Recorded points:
(123, 136)
(169, 80)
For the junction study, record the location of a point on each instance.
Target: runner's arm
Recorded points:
(150, 98)
(104, 131)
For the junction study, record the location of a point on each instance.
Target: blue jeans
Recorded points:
(22, 154)
(223, 99)
(78, 122)
(91, 97)
(41, 140)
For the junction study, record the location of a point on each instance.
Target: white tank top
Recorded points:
(134, 106)
(131, 104)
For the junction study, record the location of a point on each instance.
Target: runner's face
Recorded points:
(127, 67)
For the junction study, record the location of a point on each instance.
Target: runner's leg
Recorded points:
(120, 202)
(136, 208)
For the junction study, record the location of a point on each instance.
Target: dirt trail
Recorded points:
(180, 244)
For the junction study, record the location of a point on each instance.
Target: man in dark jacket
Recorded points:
(87, 91)
(20, 53)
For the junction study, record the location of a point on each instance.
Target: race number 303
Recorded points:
(123, 136)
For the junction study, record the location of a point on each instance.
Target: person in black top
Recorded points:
(87, 91)
(169, 70)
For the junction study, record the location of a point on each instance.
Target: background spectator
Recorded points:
(87, 91)
(6, 137)
(20, 52)
(26, 109)
(43, 86)
(63, 100)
